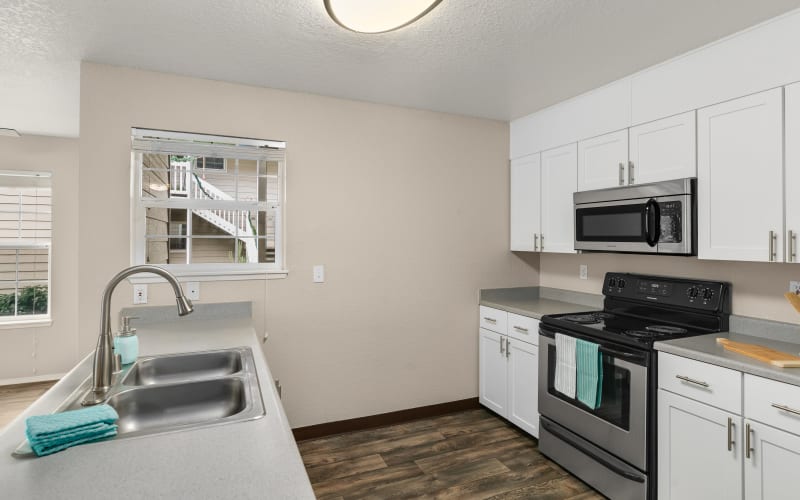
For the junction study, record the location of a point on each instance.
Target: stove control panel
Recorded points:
(695, 294)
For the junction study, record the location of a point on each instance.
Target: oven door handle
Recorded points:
(623, 355)
(594, 456)
(652, 230)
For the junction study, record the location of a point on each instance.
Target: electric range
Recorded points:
(613, 447)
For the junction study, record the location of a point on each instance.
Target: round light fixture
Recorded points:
(377, 16)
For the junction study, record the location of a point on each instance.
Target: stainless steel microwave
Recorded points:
(658, 218)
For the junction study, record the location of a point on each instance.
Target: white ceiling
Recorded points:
(498, 59)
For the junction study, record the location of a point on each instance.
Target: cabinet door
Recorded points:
(603, 161)
(792, 179)
(559, 182)
(492, 371)
(693, 457)
(770, 472)
(740, 178)
(525, 207)
(663, 150)
(523, 385)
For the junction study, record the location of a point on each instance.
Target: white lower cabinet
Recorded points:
(770, 470)
(696, 460)
(707, 452)
(509, 376)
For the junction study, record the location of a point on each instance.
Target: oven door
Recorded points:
(643, 225)
(619, 424)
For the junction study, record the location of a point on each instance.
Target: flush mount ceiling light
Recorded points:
(8, 132)
(377, 16)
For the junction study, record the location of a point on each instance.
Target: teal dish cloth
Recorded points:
(51, 433)
(589, 373)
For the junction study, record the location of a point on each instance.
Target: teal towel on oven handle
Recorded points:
(589, 373)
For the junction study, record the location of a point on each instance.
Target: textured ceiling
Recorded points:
(486, 58)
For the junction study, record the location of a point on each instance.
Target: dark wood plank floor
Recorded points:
(472, 454)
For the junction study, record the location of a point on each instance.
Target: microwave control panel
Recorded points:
(670, 220)
(695, 294)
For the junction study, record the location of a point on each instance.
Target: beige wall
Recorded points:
(40, 351)
(758, 288)
(407, 210)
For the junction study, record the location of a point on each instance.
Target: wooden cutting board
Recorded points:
(761, 353)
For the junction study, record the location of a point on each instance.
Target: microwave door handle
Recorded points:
(652, 230)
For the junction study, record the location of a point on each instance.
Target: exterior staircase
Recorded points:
(234, 222)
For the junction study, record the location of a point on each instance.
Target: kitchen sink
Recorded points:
(178, 392)
(183, 367)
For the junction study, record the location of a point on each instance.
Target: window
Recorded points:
(207, 204)
(25, 234)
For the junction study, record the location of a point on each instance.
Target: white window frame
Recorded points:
(212, 146)
(15, 321)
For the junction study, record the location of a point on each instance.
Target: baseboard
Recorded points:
(31, 380)
(391, 418)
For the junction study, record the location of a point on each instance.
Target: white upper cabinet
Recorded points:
(559, 182)
(603, 161)
(740, 178)
(663, 150)
(792, 174)
(525, 207)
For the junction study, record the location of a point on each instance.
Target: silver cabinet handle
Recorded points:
(730, 434)
(535, 242)
(791, 243)
(747, 447)
(501, 346)
(519, 328)
(621, 174)
(772, 240)
(490, 320)
(785, 408)
(508, 348)
(692, 381)
(630, 173)
(541, 242)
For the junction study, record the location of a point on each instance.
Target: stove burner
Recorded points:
(665, 329)
(603, 315)
(583, 319)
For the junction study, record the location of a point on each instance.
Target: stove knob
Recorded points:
(621, 283)
(707, 294)
(692, 292)
(612, 282)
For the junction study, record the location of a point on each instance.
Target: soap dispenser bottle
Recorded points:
(126, 343)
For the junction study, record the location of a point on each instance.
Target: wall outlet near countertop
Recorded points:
(794, 286)
(140, 294)
(584, 272)
(192, 290)
(319, 274)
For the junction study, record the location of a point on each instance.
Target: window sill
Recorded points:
(25, 323)
(186, 275)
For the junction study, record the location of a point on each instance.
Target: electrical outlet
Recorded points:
(192, 290)
(584, 273)
(319, 274)
(794, 286)
(140, 294)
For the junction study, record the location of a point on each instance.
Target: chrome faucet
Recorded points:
(103, 354)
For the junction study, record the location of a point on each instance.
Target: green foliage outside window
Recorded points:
(31, 300)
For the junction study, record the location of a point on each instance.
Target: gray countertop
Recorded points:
(536, 302)
(705, 348)
(254, 459)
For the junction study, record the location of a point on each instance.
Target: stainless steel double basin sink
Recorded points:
(180, 391)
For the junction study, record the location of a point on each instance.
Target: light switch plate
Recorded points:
(192, 290)
(140, 294)
(584, 272)
(319, 274)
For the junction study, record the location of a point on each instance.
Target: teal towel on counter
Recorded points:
(590, 373)
(51, 433)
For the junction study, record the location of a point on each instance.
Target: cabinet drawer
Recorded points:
(709, 384)
(493, 319)
(773, 403)
(523, 328)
